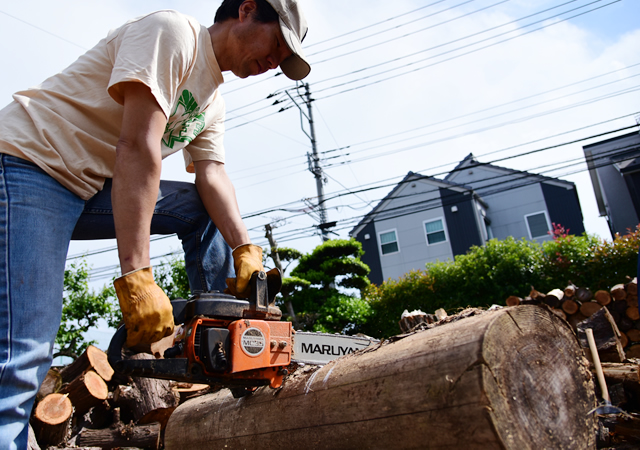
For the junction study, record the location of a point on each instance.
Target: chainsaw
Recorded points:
(236, 343)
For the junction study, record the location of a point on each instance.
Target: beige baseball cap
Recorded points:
(294, 29)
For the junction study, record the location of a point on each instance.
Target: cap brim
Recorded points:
(295, 66)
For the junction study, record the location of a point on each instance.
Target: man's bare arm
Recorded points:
(136, 176)
(219, 198)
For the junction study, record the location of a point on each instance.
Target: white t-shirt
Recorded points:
(70, 124)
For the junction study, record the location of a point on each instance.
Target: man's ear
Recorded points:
(247, 8)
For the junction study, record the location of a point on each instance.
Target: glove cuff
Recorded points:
(135, 286)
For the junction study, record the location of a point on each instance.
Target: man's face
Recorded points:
(257, 47)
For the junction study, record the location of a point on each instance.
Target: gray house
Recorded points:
(425, 219)
(614, 166)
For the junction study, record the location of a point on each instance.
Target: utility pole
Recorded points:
(273, 253)
(314, 161)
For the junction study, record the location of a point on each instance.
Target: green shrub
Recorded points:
(488, 275)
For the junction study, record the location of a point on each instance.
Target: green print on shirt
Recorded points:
(188, 125)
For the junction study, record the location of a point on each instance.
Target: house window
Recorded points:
(389, 242)
(435, 231)
(538, 225)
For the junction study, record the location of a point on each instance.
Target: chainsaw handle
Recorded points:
(114, 353)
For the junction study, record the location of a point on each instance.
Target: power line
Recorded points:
(444, 60)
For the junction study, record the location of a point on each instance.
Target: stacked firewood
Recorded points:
(576, 304)
(87, 405)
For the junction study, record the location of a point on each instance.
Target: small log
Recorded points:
(570, 306)
(486, 395)
(624, 339)
(619, 373)
(606, 334)
(619, 306)
(145, 394)
(86, 391)
(603, 297)
(618, 292)
(624, 323)
(513, 300)
(52, 419)
(632, 300)
(141, 436)
(536, 295)
(575, 319)
(51, 384)
(633, 351)
(410, 320)
(633, 313)
(587, 309)
(570, 290)
(92, 359)
(632, 287)
(634, 335)
(553, 298)
(584, 295)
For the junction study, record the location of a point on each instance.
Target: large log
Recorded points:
(513, 378)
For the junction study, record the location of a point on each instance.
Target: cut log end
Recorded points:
(54, 409)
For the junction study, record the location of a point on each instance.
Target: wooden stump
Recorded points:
(86, 391)
(52, 419)
(92, 359)
(513, 378)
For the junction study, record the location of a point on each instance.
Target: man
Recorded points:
(80, 157)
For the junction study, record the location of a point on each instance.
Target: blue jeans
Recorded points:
(38, 218)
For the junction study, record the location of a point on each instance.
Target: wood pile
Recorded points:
(87, 405)
(613, 316)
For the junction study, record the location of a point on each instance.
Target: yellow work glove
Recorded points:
(247, 259)
(146, 310)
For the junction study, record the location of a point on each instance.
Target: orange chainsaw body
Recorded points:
(252, 349)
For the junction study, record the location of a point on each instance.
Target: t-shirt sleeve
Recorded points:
(208, 145)
(157, 50)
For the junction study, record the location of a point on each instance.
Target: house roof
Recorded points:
(410, 177)
(471, 161)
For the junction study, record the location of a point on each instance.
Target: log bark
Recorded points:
(51, 384)
(584, 294)
(141, 436)
(619, 373)
(32, 443)
(503, 379)
(92, 359)
(86, 391)
(52, 420)
(570, 290)
(145, 394)
(554, 298)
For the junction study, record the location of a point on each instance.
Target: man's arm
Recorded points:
(136, 176)
(219, 198)
(146, 310)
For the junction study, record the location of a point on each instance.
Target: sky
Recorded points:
(397, 86)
